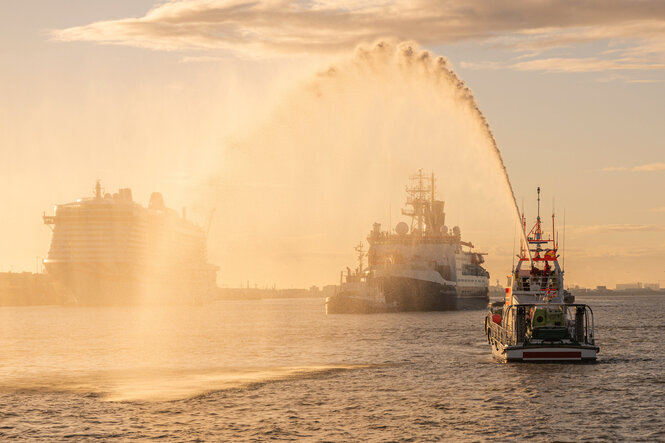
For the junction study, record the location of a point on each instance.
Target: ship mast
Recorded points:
(361, 256)
(98, 190)
(420, 196)
(536, 239)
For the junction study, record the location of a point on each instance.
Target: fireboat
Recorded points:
(537, 322)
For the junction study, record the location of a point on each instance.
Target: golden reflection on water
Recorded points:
(164, 353)
(163, 384)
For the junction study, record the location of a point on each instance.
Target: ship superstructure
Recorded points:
(108, 250)
(423, 265)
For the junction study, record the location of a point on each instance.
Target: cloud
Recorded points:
(614, 169)
(661, 209)
(649, 167)
(591, 64)
(628, 79)
(626, 227)
(203, 59)
(632, 252)
(635, 30)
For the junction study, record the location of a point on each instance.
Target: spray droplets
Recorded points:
(335, 156)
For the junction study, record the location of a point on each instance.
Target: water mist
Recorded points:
(334, 157)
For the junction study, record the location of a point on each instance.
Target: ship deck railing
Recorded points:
(515, 330)
(538, 283)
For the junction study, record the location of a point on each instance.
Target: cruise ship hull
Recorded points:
(118, 284)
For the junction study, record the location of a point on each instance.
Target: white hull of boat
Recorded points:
(544, 353)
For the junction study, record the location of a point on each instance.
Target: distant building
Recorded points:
(603, 288)
(628, 286)
(25, 289)
(653, 286)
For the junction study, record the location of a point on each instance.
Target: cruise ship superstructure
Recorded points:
(110, 250)
(419, 267)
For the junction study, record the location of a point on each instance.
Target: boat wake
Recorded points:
(167, 384)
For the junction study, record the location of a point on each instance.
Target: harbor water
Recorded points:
(282, 369)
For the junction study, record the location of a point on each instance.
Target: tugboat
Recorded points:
(359, 293)
(538, 322)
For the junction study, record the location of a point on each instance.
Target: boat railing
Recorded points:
(515, 323)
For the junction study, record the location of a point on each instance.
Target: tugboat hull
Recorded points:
(353, 303)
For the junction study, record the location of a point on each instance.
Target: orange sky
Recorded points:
(156, 98)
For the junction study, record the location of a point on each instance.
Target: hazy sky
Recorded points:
(149, 95)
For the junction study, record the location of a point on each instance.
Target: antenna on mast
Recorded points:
(563, 258)
(538, 203)
(555, 237)
(361, 255)
(432, 188)
(514, 237)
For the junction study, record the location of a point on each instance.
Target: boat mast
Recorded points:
(361, 255)
(538, 204)
(432, 193)
(420, 194)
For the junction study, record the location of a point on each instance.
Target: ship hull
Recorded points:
(408, 294)
(402, 294)
(472, 298)
(117, 284)
(354, 303)
(539, 353)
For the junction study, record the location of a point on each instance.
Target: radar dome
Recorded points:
(402, 228)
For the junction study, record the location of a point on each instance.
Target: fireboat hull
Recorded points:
(544, 354)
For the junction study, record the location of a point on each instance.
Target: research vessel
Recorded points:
(109, 250)
(537, 321)
(421, 266)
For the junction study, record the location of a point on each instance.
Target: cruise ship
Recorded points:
(421, 266)
(109, 250)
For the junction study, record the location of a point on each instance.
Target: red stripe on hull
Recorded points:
(552, 354)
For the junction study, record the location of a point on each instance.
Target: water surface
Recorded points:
(282, 369)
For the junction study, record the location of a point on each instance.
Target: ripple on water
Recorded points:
(282, 370)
